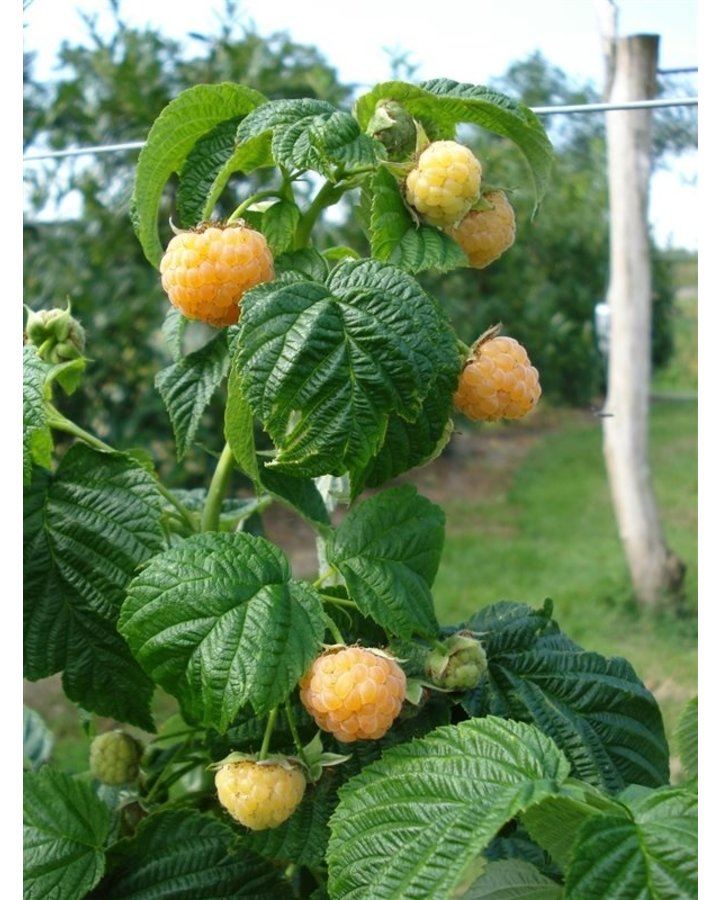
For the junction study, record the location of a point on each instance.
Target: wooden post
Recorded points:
(654, 570)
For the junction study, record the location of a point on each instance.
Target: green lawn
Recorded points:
(547, 529)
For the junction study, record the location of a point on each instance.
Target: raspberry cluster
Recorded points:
(354, 693)
(205, 272)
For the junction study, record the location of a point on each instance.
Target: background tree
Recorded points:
(111, 91)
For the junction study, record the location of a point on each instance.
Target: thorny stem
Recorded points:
(216, 491)
(268, 733)
(58, 421)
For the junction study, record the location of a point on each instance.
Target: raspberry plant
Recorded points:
(513, 760)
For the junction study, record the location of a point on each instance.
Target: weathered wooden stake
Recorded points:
(655, 571)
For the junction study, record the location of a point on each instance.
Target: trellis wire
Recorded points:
(538, 110)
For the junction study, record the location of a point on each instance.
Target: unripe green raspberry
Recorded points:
(355, 693)
(459, 664)
(498, 381)
(485, 234)
(115, 758)
(445, 183)
(260, 794)
(206, 271)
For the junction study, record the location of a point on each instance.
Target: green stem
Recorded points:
(246, 204)
(268, 734)
(319, 580)
(216, 492)
(328, 194)
(334, 630)
(290, 716)
(339, 601)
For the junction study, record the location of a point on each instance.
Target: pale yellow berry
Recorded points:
(260, 795)
(445, 183)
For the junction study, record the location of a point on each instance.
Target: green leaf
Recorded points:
(217, 621)
(187, 386)
(411, 444)
(447, 103)
(185, 855)
(388, 551)
(37, 439)
(652, 855)
(64, 829)
(396, 237)
(200, 171)
(300, 494)
(38, 740)
(323, 366)
(411, 824)
(513, 879)
(87, 529)
(239, 428)
(555, 822)
(69, 374)
(596, 709)
(278, 224)
(310, 134)
(173, 330)
(175, 132)
(686, 735)
(308, 262)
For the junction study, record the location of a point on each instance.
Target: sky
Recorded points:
(468, 40)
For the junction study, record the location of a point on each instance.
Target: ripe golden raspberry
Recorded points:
(205, 272)
(354, 693)
(260, 795)
(498, 381)
(445, 183)
(485, 234)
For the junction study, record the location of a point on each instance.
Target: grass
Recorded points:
(547, 530)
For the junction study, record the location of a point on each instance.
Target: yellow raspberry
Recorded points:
(485, 234)
(498, 381)
(205, 272)
(260, 795)
(354, 693)
(445, 183)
